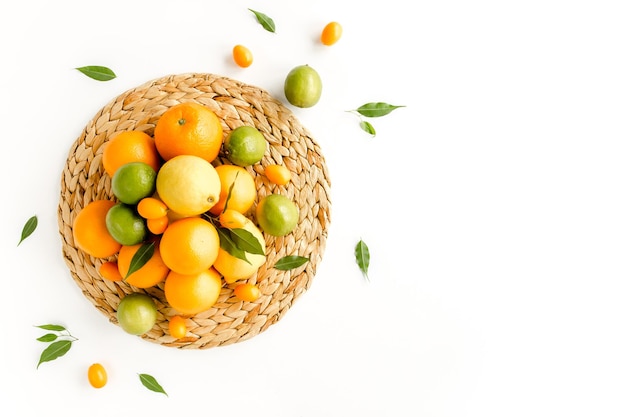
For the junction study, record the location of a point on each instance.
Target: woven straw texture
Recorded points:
(230, 320)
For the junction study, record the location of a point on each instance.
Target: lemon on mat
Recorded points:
(188, 184)
(232, 219)
(238, 190)
(235, 269)
(130, 146)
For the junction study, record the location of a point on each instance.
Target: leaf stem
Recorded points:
(68, 335)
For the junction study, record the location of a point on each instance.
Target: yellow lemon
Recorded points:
(235, 269)
(237, 186)
(188, 185)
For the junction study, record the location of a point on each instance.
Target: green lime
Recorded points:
(303, 86)
(136, 313)
(245, 145)
(125, 225)
(277, 215)
(133, 181)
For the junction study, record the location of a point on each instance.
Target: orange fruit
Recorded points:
(158, 225)
(247, 292)
(192, 294)
(151, 208)
(189, 245)
(188, 129)
(331, 33)
(150, 274)
(97, 375)
(232, 219)
(177, 327)
(130, 146)
(243, 192)
(242, 56)
(278, 174)
(110, 271)
(90, 232)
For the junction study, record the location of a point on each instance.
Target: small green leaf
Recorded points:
(52, 327)
(376, 109)
(230, 190)
(49, 337)
(28, 229)
(246, 241)
(97, 72)
(54, 350)
(265, 21)
(367, 126)
(227, 243)
(151, 383)
(362, 254)
(140, 258)
(290, 262)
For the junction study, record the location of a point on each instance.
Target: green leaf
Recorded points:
(362, 254)
(246, 241)
(52, 327)
(230, 190)
(227, 243)
(290, 262)
(140, 258)
(377, 109)
(151, 383)
(28, 229)
(49, 337)
(55, 350)
(97, 72)
(265, 21)
(367, 126)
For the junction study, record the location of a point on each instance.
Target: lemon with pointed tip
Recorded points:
(233, 268)
(188, 185)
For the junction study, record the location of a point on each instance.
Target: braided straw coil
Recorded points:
(229, 320)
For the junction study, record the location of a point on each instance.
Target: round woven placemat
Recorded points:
(230, 320)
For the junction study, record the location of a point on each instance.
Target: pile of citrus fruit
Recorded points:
(186, 215)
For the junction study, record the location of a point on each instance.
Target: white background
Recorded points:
(493, 205)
